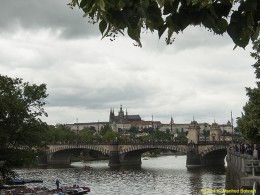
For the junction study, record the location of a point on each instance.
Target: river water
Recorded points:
(165, 175)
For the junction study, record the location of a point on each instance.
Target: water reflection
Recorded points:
(206, 177)
(163, 175)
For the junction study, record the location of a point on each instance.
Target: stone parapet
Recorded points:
(242, 172)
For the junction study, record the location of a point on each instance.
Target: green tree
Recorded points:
(105, 129)
(182, 137)
(160, 135)
(133, 130)
(249, 122)
(87, 134)
(59, 133)
(239, 18)
(111, 136)
(21, 106)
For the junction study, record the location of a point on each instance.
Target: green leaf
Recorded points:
(222, 9)
(162, 30)
(83, 3)
(167, 8)
(102, 26)
(161, 2)
(249, 5)
(135, 35)
(212, 11)
(222, 25)
(256, 34)
(121, 4)
(102, 5)
(208, 21)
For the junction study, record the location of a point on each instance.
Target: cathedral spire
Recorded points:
(172, 121)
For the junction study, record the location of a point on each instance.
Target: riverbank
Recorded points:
(19, 190)
(22, 190)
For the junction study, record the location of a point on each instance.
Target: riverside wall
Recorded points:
(243, 174)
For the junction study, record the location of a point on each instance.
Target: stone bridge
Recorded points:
(201, 153)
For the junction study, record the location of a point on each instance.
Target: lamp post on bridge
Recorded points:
(77, 134)
(232, 128)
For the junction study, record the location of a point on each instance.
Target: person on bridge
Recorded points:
(58, 184)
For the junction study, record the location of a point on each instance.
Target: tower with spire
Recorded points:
(111, 116)
(122, 118)
(215, 132)
(193, 132)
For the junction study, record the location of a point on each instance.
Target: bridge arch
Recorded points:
(132, 154)
(214, 155)
(56, 148)
(61, 154)
(181, 148)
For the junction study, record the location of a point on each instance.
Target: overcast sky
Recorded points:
(198, 75)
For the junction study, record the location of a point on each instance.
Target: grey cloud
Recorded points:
(47, 14)
(104, 97)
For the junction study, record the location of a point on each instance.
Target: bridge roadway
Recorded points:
(129, 153)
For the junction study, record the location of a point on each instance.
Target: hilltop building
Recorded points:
(123, 122)
(80, 126)
(122, 117)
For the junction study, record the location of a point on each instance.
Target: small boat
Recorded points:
(79, 191)
(87, 168)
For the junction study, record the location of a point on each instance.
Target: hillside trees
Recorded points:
(239, 18)
(21, 106)
(249, 122)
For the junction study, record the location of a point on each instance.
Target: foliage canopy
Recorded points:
(21, 106)
(239, 18)
(249, 122)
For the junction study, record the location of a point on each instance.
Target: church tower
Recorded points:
(193, 132)
(121, 112)
(111, 116)
(215, 132)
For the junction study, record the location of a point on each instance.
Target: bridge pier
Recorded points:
(131, 158)
(114, 159)
(195, 156)
(60, 158)
(42, 160)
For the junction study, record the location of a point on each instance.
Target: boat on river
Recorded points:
(87, 168)
(78, 191)
(24, 181)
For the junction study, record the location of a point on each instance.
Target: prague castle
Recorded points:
(122, 117)
(124, 121)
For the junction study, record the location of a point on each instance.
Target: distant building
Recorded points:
(80, 126)
(146, 124)
(176, 128)
(123, 122)
(122, 118)
(227, 127)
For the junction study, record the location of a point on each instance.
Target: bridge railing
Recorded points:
(214, 142)
(136, 142)
(244, 162)
(120, 142)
